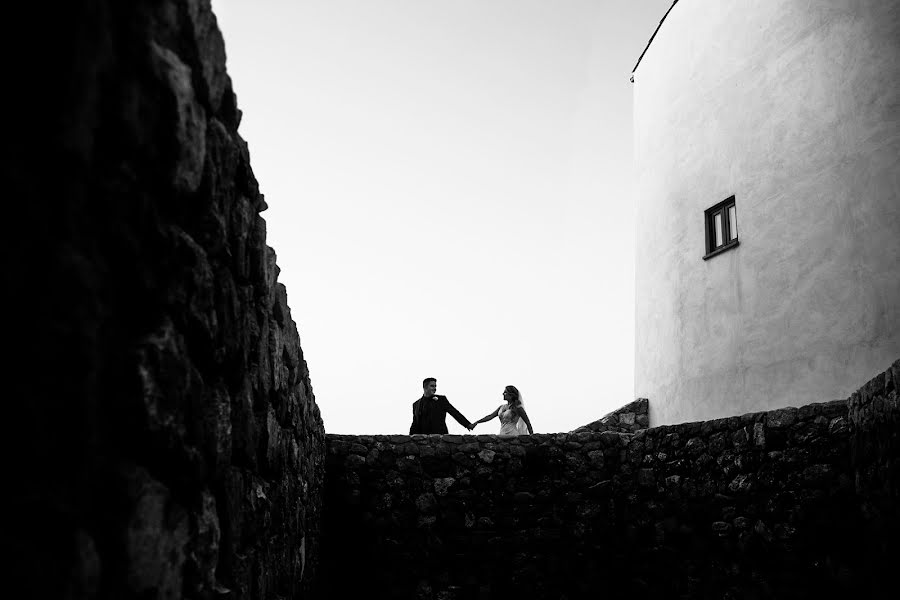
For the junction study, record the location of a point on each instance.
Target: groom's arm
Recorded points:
(457, 415)
(416, 427)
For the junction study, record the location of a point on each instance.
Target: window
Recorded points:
(721, 228)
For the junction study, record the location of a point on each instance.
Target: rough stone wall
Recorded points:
(164, 438)
(632, 417)
(764, 505)
(875, 459)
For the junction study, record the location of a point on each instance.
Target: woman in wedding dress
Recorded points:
(513, 418)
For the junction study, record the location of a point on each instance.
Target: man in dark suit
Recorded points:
(430, 411)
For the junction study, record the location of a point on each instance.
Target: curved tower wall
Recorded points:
(793, 107)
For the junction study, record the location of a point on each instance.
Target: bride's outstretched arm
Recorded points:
(486, 418)
(521, 411)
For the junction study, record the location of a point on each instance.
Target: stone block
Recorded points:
(189, 131)
(487, 456)
(210, 49)
(781, 418)
(155, 537)
(646, 477)
(695, 446)
(523, 497)
(759, 435)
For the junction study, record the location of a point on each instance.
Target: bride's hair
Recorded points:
(518, 403)
(514, 390)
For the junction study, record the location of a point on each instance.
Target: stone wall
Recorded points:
(763, 505)
(164, 438)
(875, 460)
(632, 417)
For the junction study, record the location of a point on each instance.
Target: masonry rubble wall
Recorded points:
(764, 505)
(874, 414)
(630, 418)
(165, 441)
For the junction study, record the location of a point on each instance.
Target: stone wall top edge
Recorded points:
(882, 384)
(451, 438)
(768, 417)
(771, 418)
(638, 406)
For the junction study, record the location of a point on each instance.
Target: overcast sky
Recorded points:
(450, 195)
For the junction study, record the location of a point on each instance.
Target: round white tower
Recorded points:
(767, 153)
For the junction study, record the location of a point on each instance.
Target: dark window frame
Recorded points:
(709, 225)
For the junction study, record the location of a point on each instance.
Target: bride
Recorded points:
(513, 418)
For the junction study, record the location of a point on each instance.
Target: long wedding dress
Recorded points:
(510, 423)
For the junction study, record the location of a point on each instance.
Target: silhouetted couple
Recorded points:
(430, 412)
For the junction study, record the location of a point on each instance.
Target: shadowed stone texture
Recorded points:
(632, 417)
(792, 503)
(875, 458)
(165, 438)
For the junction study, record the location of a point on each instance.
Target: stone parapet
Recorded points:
(743, 505)
(632, 417)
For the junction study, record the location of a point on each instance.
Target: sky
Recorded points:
(449, 186)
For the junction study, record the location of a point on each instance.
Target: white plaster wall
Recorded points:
(793, 107)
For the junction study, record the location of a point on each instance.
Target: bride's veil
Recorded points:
(521, 427)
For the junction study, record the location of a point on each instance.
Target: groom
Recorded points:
(430, 411)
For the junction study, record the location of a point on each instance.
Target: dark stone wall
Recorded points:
(874, 413)
(632, 417)
(764, 505)
(163, 438)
